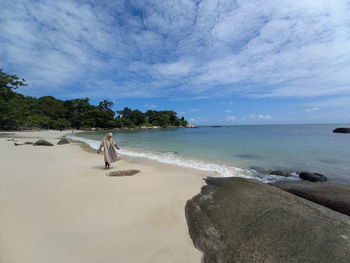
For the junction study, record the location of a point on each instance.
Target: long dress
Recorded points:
(110, 152)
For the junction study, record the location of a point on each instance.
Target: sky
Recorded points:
(211, 61)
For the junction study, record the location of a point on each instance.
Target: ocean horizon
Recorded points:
(248, 151)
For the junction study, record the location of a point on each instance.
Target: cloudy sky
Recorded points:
(212, 61)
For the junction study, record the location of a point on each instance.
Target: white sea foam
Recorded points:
(173, 159)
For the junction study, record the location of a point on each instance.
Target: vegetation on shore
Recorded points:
(49, 112)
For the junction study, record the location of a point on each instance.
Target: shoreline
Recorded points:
(252, 165)
(59, 205)
(195, 164)
(214, 169)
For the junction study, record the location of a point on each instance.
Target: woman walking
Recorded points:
(110, 150)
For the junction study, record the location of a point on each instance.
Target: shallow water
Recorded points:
(233, 150)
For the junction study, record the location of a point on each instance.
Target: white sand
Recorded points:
(58, 205)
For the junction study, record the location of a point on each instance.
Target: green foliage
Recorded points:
(49, 112)
(164, 118)
(11, 82)
(8, 83)
(105, 105)
(60, 124)
(118, 122)
(52, 107)
(147, 124)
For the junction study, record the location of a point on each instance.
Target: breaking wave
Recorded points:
(173, 158)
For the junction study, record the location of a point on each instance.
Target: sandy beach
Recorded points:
(58, 205)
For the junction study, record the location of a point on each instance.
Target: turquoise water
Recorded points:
(233, 150)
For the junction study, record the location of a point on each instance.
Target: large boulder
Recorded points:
(42, 143)
(63, 141)
(313, 177)
(242, 220)
(341, 130)
(333, 196)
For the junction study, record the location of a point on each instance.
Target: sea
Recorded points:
(248, 151)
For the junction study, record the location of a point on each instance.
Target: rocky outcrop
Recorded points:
(333, 196)
(241, 220)
(123, 173)
(313, 177)
(42, 143)
(63, 141)
(341, 130)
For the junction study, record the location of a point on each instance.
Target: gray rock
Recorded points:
(261, 170)
(42, 143)
(333, 196)
(123, 173)
(242, 220)
(313, 177)
(341, 130)
(280, 173)
(63, 141)
(26, 143)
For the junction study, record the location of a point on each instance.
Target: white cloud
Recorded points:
(198, 120)
(192, 49)
(227, 111)
(231, 118)
(227, 103)
(194, 110)
(150, 106)
(260, 117)
(176, 69)
(313, 109)
(335, 102)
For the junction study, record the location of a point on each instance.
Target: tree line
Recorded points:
(49, 112)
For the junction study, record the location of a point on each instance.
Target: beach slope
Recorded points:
(58, 205)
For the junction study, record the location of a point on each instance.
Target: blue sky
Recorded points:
(212, 61)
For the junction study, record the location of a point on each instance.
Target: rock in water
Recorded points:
(123, 173)
(341, 130)
(312, 177)
(63, 141)
(42, 143)
(242, 220)
(333, 196)
(280, 173)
